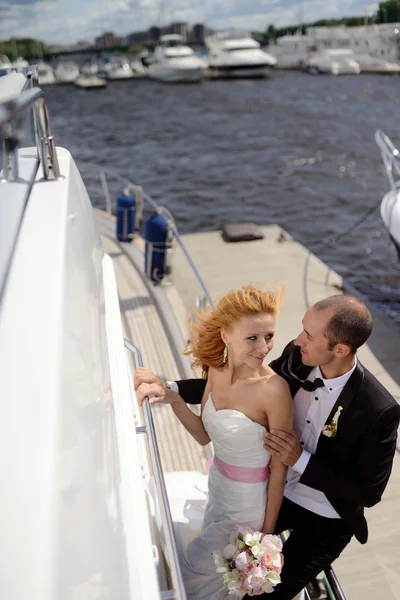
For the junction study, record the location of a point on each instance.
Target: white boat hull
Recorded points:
(390, 213)
(161, 72)
(245, 71)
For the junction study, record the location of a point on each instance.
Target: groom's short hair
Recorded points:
(351, 322)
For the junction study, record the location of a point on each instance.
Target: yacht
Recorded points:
(19, 62)
(140, 64)
(175, 62)
(66, 72)
(98, 489)
(46, 74)
(373, 46)
(236, 54)
(390, 205)
(90, 82)
(333, 62)
(116, 69)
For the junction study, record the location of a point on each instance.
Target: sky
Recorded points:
(67, 21)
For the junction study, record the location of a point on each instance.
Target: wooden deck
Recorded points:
(365, 572)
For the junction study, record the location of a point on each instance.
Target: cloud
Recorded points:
(66, 21)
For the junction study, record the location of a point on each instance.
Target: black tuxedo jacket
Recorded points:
(352, 469)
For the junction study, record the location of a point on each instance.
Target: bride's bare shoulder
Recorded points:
(274, 385)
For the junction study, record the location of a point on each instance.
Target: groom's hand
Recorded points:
(145, 376)
(285, 446)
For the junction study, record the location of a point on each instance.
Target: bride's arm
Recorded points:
(280, 416)
(163, 395)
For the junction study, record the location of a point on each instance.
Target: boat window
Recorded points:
(240, 48)
(180, 55)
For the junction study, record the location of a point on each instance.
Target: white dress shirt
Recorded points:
(310, 412)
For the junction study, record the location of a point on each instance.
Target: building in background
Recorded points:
(107, 40)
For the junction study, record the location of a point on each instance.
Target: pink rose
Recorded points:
(243, 588)
(258, 592)
(277, 570)
(267, 560)
(250, 567)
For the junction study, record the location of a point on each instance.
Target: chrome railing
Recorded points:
(10, 112)
(391, 158)
(178, 592)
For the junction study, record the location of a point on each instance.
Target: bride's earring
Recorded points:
(225, 356)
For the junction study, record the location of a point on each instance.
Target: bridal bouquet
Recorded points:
(251, 563)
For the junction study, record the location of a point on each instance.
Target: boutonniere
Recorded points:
(331, 429)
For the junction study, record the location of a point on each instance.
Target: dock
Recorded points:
(365, 571)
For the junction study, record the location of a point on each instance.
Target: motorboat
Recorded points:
(66, 72)
(19, 63)
(175, 62)
(116, 69)
(5, 62)
(46, 74)
(90, 82)
(332, 62)
(237, 54)
(140, 64)
(390, 205)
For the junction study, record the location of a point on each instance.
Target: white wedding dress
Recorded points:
(239, 447)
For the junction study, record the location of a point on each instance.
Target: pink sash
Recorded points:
(242, 474)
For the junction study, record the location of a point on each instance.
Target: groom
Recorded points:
(340, 454)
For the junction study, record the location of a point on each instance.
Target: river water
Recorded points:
(293, 149)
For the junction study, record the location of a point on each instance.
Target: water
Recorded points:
(295, 150)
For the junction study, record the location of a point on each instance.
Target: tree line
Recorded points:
(388, 12)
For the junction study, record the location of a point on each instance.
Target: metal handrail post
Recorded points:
(176, 574)
(334, 584)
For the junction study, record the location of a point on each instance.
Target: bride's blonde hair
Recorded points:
(206, 345)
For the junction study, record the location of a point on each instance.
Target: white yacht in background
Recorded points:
(332, 62)
(116, 69)
(175, 62)
(390, 205)
(5, 62)
(376, 45)
(46, 74)
(66, 72)
(140, 64)
(90, 82)
(19, 62)
(237, 54)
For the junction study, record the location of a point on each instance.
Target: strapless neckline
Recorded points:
(239, 412)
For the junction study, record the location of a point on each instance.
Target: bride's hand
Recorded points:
(161, 394)
(145, 376)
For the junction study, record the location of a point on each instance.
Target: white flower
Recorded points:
(327, 432)
(272, 543)
(273, 577)
(277, 559)
(267, 587)
(241, 561)
(234, 585)
(252, 538)
(229, 551)
(258, 550)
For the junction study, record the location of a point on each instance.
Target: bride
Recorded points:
(243, 397)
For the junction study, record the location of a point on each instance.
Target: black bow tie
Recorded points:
(311, 386)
